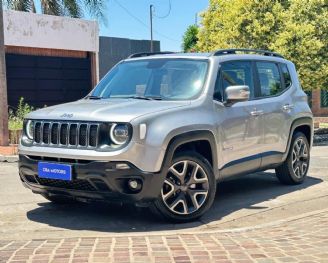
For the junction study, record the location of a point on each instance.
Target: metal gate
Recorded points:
(324, 98)
(43, 80)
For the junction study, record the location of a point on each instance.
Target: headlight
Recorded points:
(29, 129)
(119, 133)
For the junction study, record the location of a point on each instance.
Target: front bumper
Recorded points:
(144, 157)
(96, 180)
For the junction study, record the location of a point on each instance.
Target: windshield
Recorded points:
(171, 79)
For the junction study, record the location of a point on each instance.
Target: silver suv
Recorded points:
(162, 129)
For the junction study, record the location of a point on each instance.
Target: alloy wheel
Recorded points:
(185, 187)
(300, 158)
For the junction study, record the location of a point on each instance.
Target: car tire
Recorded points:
(294, 169)
(188, 190)
(59, 199)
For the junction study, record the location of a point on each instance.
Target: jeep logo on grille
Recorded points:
(66, 115)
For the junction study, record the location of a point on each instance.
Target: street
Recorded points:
(253, 219)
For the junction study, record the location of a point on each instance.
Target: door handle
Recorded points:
(287, 107)
(256, 112)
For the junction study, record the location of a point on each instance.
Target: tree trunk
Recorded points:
(4, 140)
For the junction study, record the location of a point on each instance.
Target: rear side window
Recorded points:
(286, 75)
(269, 77)
(237, 73)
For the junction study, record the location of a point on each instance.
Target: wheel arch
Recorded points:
(304, 125)
(200, 141)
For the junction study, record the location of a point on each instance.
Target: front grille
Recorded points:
(68, 134)
(46, 133)
(77, 184)
(54, 133)
(37, 132)
(83, 135)
(82, 185)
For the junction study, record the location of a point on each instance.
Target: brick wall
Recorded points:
(45, 52)
(316, 105)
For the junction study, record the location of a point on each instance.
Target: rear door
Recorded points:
(275, 101)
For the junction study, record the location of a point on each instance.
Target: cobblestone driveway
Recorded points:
(299, 240)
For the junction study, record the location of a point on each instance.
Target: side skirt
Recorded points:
(251, 164)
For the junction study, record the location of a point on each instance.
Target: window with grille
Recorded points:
(309, 94)
(324, 98)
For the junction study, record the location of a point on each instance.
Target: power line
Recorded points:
(129, 13)
(168, 13)
(141, 22)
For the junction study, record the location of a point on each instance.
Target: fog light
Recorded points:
(122, 166)
(134, 184)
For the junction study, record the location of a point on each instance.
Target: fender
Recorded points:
(303, 121)
(187, 137)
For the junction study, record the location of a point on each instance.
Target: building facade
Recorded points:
(52, 60)
(319, 102)
(113, 49)
(49, 59)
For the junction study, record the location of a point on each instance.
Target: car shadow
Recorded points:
(242, 193)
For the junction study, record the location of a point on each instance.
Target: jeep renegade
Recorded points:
(161, 129)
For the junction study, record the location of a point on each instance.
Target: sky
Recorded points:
(168, 31)
(130, 19)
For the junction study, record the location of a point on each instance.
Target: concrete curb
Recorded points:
(8, 158)
(208, 230)
(204, 229)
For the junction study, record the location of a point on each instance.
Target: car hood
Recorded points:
(113, 110)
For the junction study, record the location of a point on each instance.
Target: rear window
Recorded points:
(269, 76)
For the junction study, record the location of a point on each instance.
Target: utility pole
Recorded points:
(4, 137)
(196, 19)
(151, 28)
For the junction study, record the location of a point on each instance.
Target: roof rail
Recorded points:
(221, 52)
(146, 54)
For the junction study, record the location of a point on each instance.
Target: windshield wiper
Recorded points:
(146, 97)
(91, 97)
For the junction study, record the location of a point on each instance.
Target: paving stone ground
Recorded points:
(301, 240)
(253, 219)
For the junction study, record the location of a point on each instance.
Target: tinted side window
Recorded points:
(270, 81)
(286, 75)
(237, 73)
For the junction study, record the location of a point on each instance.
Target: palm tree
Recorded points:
(72, 8)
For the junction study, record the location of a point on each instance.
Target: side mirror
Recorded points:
(236, 94)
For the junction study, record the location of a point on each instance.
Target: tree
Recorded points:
(3, 87)
(72, 8)
(240, 23)
(304, 40)
(298, 29)
(190, 39)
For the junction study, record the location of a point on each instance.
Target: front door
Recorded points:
(239, 129)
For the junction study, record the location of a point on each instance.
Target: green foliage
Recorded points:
(72, 8)
(323, 125)
(298, 29)
(16, 118)
(304, 40)
(190, 39)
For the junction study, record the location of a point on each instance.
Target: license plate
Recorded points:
(55, 171)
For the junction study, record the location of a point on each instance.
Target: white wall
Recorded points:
(44, 31)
